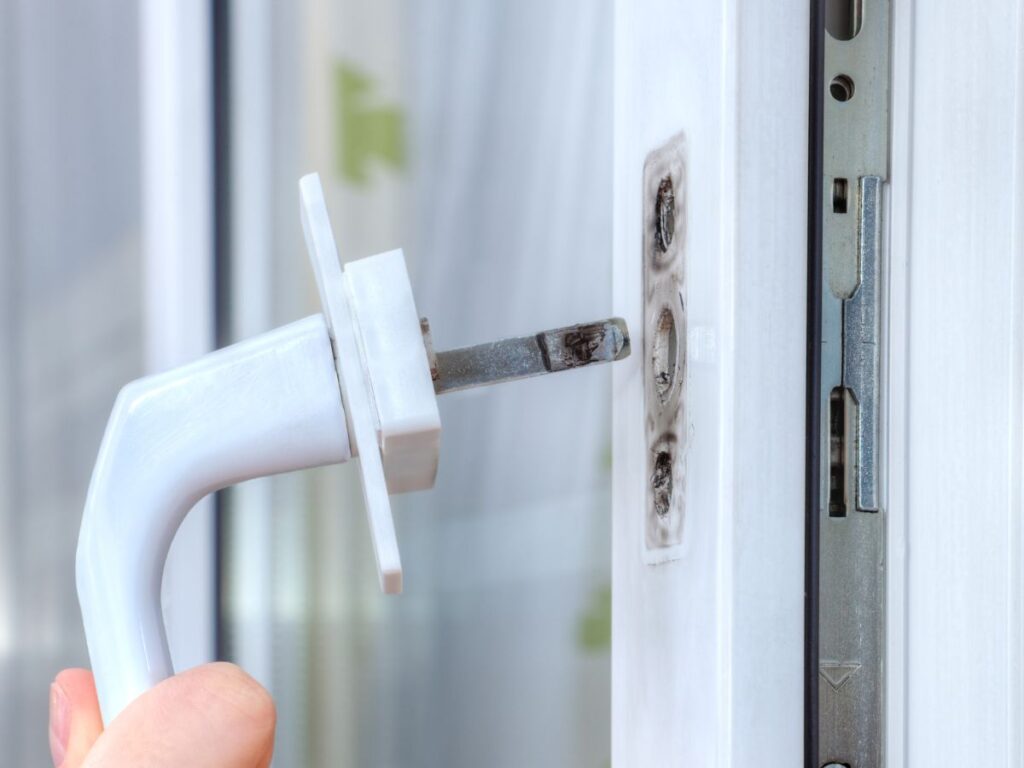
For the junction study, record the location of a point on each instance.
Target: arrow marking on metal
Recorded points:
(837, 674)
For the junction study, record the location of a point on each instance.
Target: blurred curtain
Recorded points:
(477, 136)
(70, 320)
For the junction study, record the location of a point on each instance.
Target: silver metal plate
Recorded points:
(851, 578)
(852, 533)
(860, 346)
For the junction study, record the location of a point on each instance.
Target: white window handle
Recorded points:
(264, 406)
(355, 381)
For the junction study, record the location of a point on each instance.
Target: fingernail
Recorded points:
(60, 724)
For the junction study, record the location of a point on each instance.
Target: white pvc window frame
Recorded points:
(707, 649)
(178, 269)
(955, 603)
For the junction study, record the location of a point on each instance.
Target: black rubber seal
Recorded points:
(220, 66)
(812, 458)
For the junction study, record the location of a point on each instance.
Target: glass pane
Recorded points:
(70, 319)
(477, 136)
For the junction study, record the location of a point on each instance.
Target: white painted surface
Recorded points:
(708, 649)
(956, 360)
(177, 256)
(267, 405)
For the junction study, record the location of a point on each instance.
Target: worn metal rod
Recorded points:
(551, 351)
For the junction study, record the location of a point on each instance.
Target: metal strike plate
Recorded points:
(664, 363)
(851, 573)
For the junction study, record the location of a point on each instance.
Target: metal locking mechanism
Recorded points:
(851, 530)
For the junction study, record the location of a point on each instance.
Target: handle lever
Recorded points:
(352, 382)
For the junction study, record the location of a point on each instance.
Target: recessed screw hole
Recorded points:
(661, 483)
(665, 210)
(841, 88)
(664, 354)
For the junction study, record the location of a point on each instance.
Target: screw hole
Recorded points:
(661, 483)
(665, 351)
(665, 210)
(841, 88)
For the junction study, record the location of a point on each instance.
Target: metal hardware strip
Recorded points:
(851, 570)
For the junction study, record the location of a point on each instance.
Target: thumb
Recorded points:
(75, 721)
(213, 716)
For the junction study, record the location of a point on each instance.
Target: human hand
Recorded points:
(213, 716)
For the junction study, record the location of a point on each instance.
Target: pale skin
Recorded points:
(213, 716)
